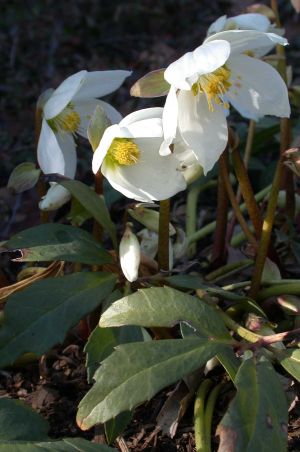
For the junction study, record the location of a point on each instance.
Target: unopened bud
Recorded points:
(130, 254)
(55, 197)
(149, 218)
(293, 160)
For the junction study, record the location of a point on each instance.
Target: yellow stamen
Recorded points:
(123, 151)
(214, 86)
(67, 120)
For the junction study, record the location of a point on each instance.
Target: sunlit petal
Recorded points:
(100, 83)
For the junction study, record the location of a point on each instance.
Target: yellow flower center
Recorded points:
(123, 151)
(67, 120)
(214, 86)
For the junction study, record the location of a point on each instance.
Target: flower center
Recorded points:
(123, 151)
(214, 86)
(67, 120)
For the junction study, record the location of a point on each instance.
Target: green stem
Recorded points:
(210, 227)
(289, 288)
(227, 269)
(240, 330)
(163, 235)
(266, 232)
(201, 440)
(191, 210)
(209, 409)
(41, 186)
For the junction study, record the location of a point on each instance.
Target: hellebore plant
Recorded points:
(128, 155)
(203, 84)
(65, 112)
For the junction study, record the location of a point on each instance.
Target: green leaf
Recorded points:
(164, 306)
(97, 125)
(102, 342)
(290, 360)
(23, 177)
(78, 214)
(48, 242)
(230, 362)
(114, 427)
(152, 84)
(93, 203)
(19, 422)
(40, 316)
(135, 372)
(65, 445)
(257, 417)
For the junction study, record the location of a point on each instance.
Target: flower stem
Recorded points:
(247, 192)
(288, 288)
(219, 246)
(234, 203)
(201, 439)
(41, 186)
(209, 409)
(210, 227)
(237, 328)
(191, 210)
(226, 270)
(163, 235)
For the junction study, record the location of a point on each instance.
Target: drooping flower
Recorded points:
(128, 155)
(66, 112)
(205, 81)
(130, 254)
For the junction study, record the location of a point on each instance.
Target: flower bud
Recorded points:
(293, 160)
(149, 218)
(130, 254)
(55, 197)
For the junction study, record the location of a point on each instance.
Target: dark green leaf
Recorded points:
(102, 342)
(48, 242)
(40, 316)
(65, 445)
(135, 372)
(93, 203)
(257, 417)
(114, 427)
(19, 422)
(164, 306)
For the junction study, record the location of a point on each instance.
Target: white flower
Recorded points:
(66, 111)
(130, 254)
(248, 21)
(128, 155)
(205, 81)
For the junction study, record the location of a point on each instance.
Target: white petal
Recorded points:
(100, 83)
(184, 72)
(169, 120)
(63, 94)
(86, 108)
(140, 115)
(49, 152)
(152, 178)
(245, 40)
(262, 91)
(55, 197)
(99, 154)
(217, 25)
(250, 21)
(205, 132)
(68, 147)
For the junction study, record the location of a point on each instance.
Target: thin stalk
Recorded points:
(266, 232)
(288, 288)
(239, 238)
(219, 245)
(247, 192)
(227, 270)
(163, 235)
(201, 440)
(209, 409)
(191, 210)
(97, 228)
(210, 227)
(41, 186)
(234, 203)
(240, 330)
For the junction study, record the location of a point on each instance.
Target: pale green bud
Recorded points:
(148, 218)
